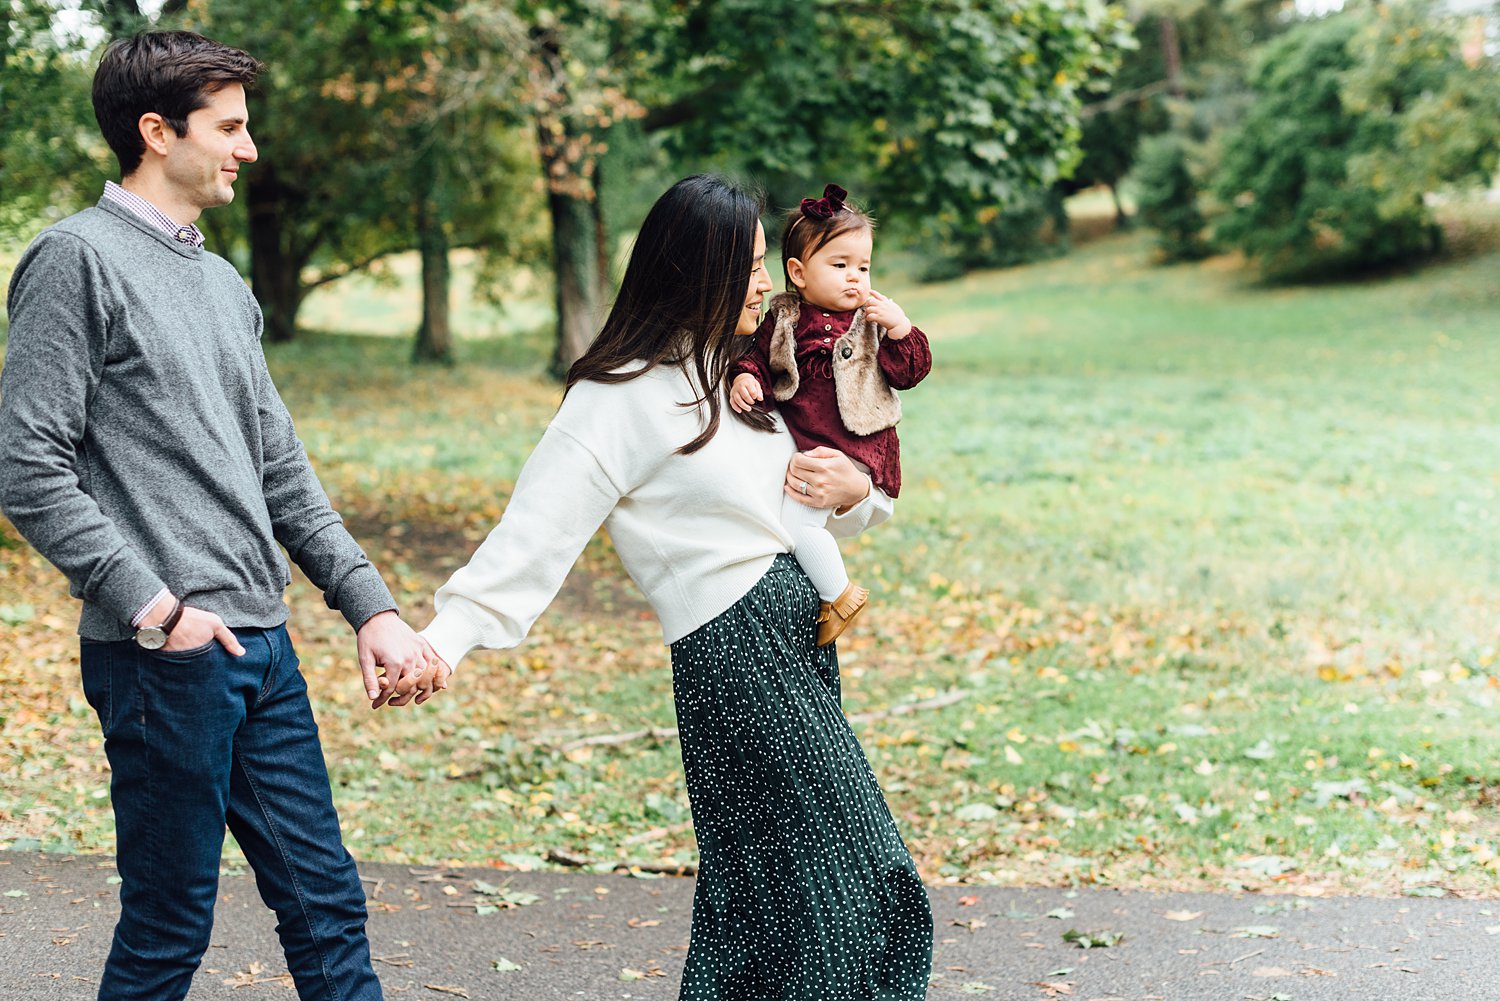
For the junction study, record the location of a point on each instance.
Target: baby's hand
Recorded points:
(745, 393)
(885, 312)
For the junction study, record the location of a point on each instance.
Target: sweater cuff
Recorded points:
(452, 635)
(126, 585)
(361, 595)
(875, 508)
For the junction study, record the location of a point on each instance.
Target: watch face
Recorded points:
(151, 637)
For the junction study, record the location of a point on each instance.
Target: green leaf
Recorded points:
(1425, 891)
(15, 615)
(503, 965)
(1093, 939)
(1258, 931)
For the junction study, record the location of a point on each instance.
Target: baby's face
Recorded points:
(837, 277)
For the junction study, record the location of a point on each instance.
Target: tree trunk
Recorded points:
(275, 271)
(601, 237)
(435, 335)
(1122, 220)
(1171, 53)
(575, 263)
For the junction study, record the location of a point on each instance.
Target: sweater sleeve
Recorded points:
(302, 517)
(875, 508)
(561, 498)
(905, 362)
(54, 360)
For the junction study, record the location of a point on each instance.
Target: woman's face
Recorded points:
(760, 284)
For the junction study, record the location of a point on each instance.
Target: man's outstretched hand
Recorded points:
(398, 665)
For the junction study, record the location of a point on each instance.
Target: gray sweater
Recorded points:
(142, 444)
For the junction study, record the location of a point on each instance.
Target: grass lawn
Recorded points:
(1211, 569)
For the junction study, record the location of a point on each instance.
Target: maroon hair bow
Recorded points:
(826, 207)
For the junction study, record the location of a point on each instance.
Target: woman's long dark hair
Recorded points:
(682, 295)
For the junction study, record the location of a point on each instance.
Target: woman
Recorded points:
(805, 889)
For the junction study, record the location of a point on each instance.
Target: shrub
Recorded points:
(1167, 198)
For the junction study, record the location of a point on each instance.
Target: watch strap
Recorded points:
(170, 622)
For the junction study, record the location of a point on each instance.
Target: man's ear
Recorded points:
(796, 272)
(154, 129)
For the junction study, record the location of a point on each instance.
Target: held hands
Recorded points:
(745, 393)
(409, 667)
(879, 309)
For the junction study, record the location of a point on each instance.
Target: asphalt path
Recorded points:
(487, 934)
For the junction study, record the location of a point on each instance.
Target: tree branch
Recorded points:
(1117, 101)
(333, 274)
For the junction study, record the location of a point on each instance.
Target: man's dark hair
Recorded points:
(169, 72)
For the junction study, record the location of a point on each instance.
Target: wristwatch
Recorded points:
(155, 637)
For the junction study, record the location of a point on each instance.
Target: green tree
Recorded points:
(1315, 179)
(1168, 198)
(977, 104)
(369, 148)
(1435, 107)
(52, 159)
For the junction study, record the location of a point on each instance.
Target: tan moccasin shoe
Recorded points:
(834, 616)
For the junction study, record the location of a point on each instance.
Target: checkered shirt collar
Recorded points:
(189, 235)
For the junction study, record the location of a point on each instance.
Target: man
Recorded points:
(145, 452)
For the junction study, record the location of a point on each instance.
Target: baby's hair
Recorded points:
(815, 223)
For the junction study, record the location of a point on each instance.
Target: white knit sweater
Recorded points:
(695, 532)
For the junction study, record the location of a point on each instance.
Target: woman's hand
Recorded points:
(829, 477)
(745, 392)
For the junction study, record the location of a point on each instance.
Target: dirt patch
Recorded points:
(596, 588)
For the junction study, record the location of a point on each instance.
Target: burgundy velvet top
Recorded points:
(812, 414)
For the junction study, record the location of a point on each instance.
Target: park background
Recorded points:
(1196, 581)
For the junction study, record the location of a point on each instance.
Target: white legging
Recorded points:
(814, 547)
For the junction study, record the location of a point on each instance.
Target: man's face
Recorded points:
(202, 165)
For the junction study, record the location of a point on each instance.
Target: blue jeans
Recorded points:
(198, 739)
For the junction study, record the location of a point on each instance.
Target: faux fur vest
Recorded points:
(867, 403)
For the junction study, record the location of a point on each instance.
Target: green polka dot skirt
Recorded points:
(805, 891)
